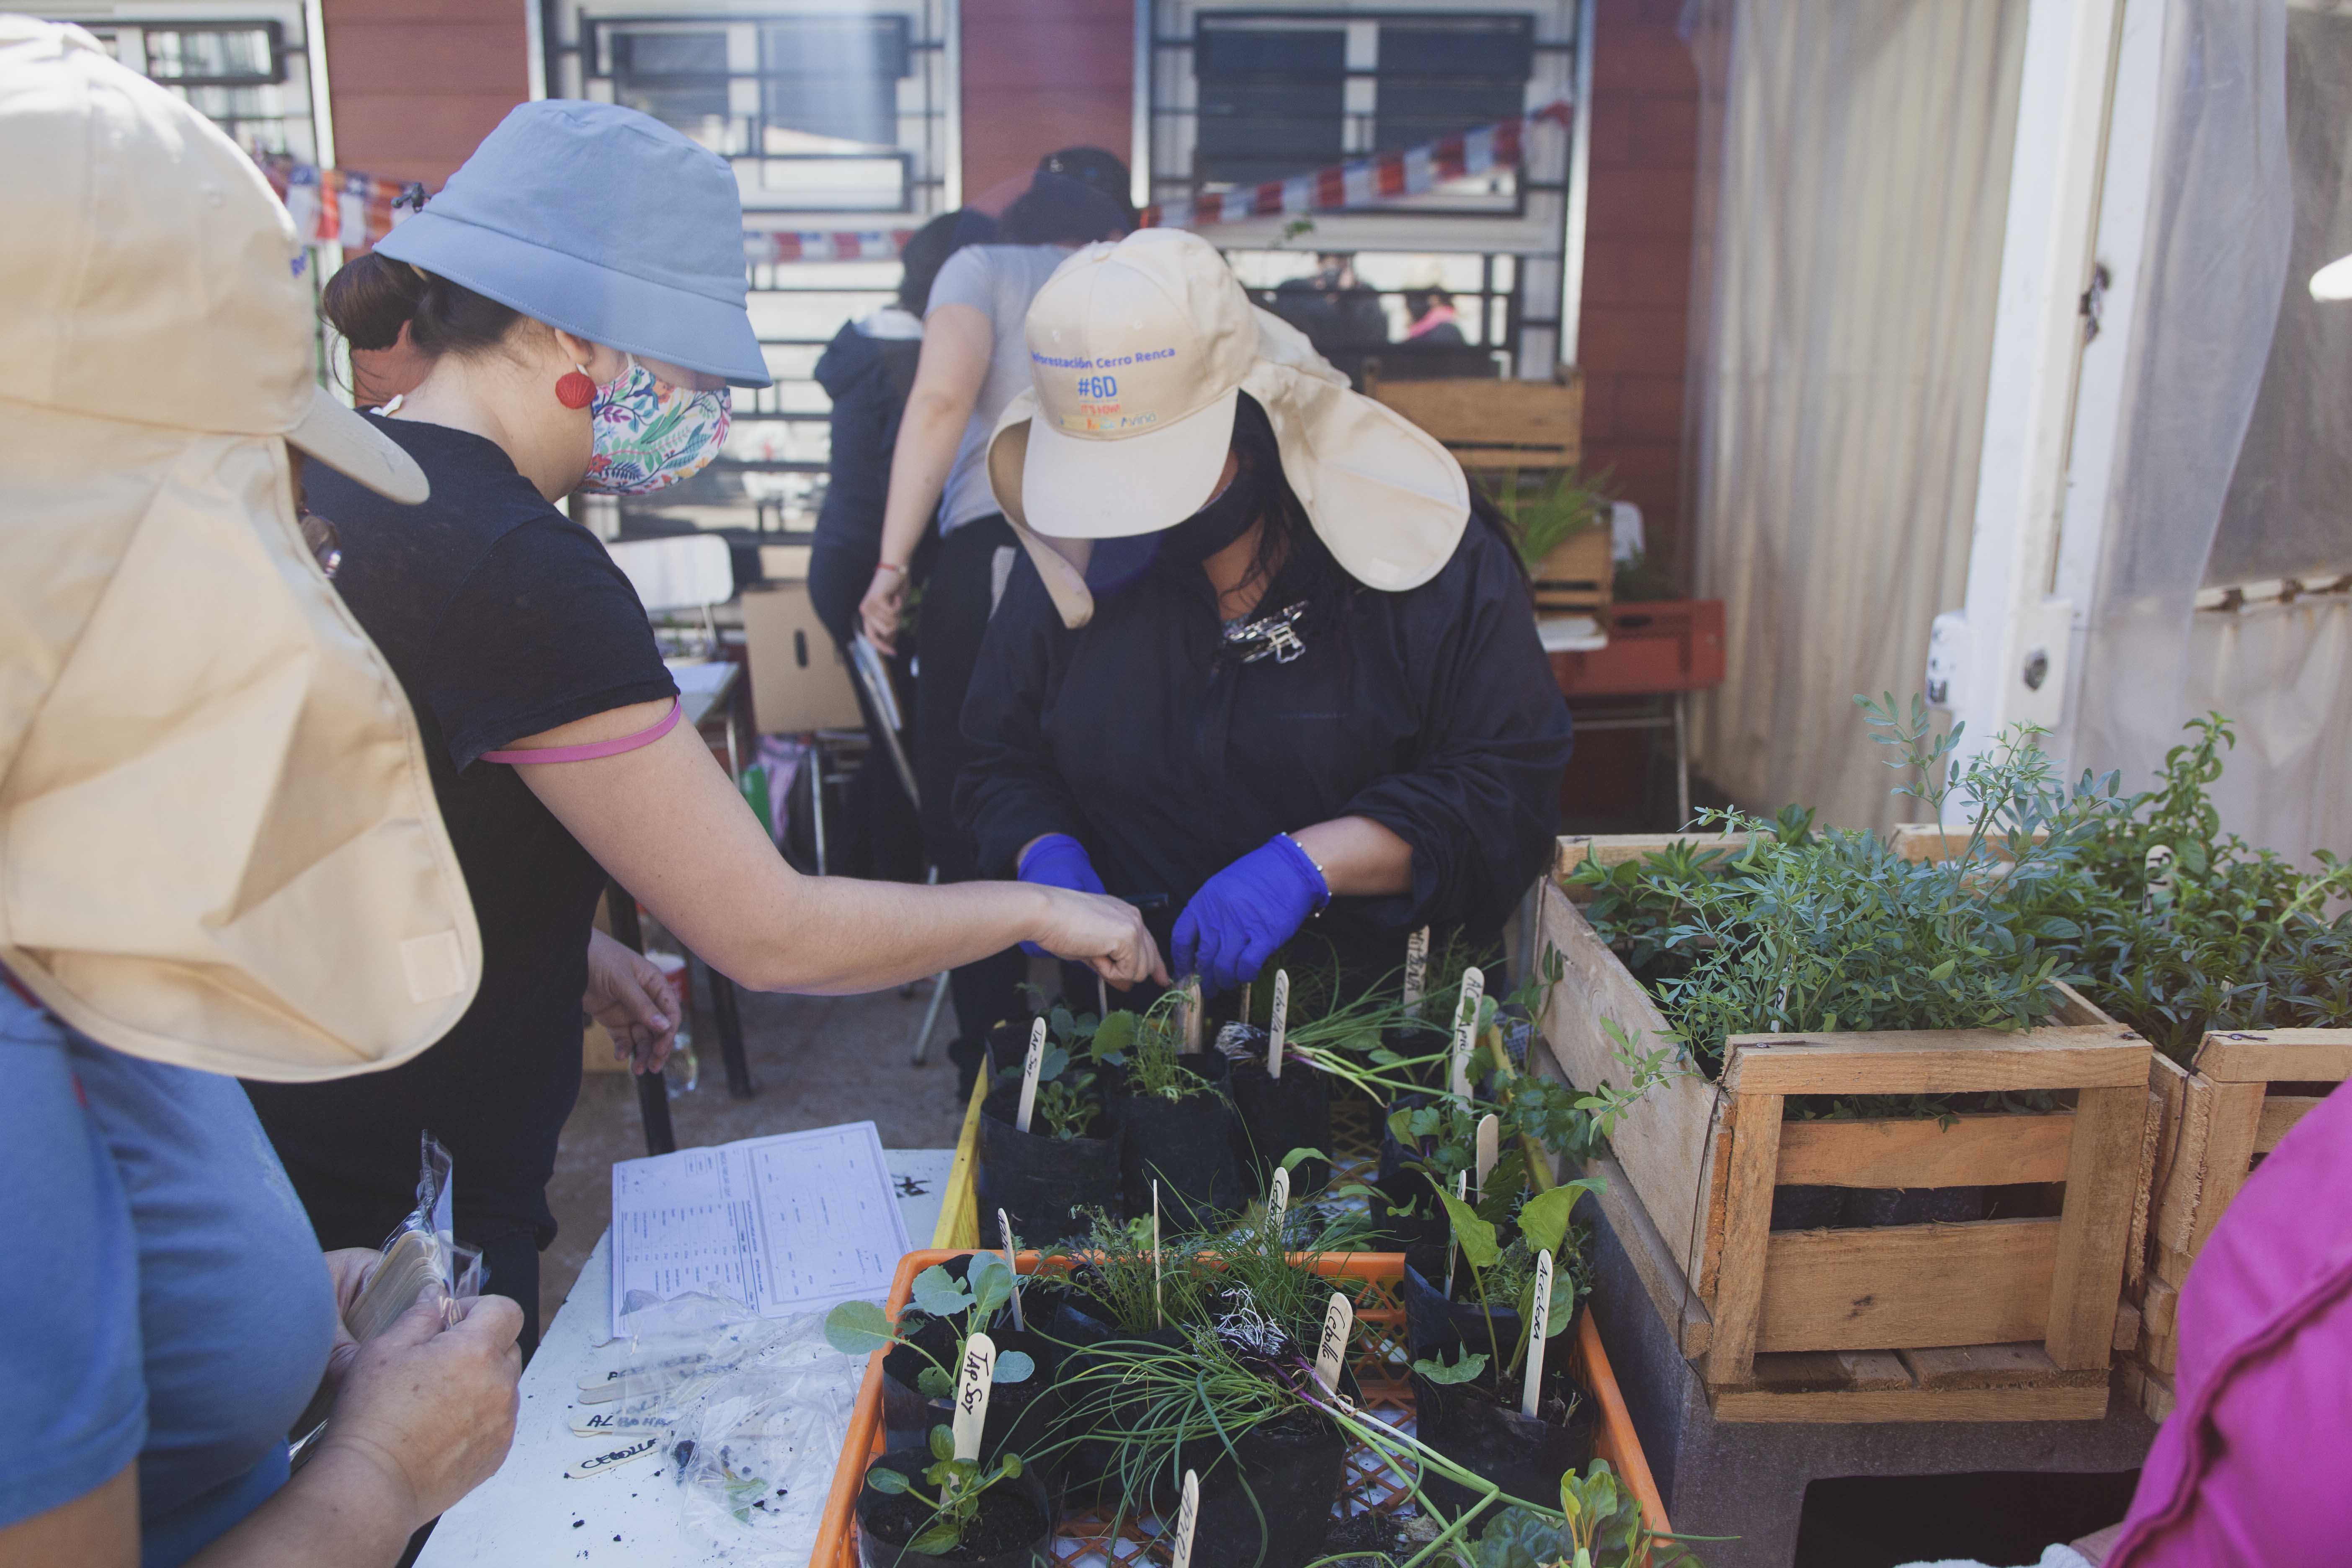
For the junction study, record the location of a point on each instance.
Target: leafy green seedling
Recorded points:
(861, 1328)
(958, 1484)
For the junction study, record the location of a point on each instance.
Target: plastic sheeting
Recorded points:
(1854, 179)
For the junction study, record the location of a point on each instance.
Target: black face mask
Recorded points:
(1215, 525)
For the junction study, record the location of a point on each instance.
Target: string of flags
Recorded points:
(339, 206)
(765, 248)
(1366, 182)
(336, 207)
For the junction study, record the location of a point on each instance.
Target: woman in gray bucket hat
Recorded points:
(576, 293)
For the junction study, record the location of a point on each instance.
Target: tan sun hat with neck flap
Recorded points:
(219, 847)
(1139, 352)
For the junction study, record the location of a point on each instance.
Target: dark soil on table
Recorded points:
(1007, 1521)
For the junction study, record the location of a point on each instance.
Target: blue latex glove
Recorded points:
(1243, 915)
(1059, 860)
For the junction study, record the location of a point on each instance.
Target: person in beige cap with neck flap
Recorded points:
(1272, 664)
(218, 855)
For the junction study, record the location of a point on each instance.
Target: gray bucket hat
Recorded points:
(604, 222)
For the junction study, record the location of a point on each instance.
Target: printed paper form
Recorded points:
(789, 1224)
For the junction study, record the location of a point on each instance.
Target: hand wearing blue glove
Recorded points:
(1059, 860)
(1243, 915)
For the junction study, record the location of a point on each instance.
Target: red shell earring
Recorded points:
(574, 390)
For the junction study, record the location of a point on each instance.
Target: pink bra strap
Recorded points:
(594, 749)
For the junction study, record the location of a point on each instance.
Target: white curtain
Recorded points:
(1855, 175)
(2237, 462)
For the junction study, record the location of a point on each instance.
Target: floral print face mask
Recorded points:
(649, 433)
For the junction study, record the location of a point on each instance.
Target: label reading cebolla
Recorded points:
(1539, 1331)
(1338, 1319)
(1277, 1200)
(1416, 964)
(972, 1380)
(1277, 1022)
(1489, 1149)
(1188, 1519)
(1031, 1066)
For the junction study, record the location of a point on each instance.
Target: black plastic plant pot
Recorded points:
(1268, 1503)
(1484, 1433)
(1434, 1326)
(1187, 1145)
(1423, 1227)
(1394, 1154)
(1807, 1207)
(1916, 1205)
(1013, 1529)
(1044, 1184)
(1020, 1415)
(1080, 1464)
(1279, 1114)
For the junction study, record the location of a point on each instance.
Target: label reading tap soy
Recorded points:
(1331, 1349)
(1539, 1331)
(1030, 1066)
(972, 1380)
(1277, 1022)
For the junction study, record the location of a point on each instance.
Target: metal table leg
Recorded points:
(817, 798)
(727, 1014)
(653, 1089)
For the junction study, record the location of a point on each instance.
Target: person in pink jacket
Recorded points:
(2251, 1471)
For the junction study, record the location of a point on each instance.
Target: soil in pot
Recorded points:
(1482, 1430)
(1186, 1144)
(1409, 1218)
(1279, 1114)
(1807, 1207)
(1268, 1503)
(1043, 1183)
(1914, 1206)
(1014, 1528)
(1020, 1415)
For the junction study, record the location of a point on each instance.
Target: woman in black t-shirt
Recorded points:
(600, 322)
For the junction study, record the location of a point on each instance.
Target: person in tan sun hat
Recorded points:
(219, 855)
(1272, 663)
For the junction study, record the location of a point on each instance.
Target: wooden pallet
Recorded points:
(1996, 1319)
(2244, 1091)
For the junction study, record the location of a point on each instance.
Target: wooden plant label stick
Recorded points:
(1416, 964)
(1158, 1318)
(1245, 1002)
(1193, 1015)
(1102, 997)
(1490, 1145)
(1277, 1200)
(974, 1379)
(1013, 1262)
(1188, 1517)
(1331, 1349)
(1462, 1190)
(1539, 1329)
(1029, 1069)
(1465, 1029)
(1277, 1022)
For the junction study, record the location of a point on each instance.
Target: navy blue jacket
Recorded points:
(1432, 713)
(868, 378)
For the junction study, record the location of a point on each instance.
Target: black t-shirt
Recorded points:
(502, 618)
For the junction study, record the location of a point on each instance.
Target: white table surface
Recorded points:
(1571, 634)
(530, 1515)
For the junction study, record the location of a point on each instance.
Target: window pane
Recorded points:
(837, 78)
(679, 77)
(1272, 102)
(1437, 79)
(223, 55)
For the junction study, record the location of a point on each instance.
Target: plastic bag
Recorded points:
(421, 1257)
(757, 1448)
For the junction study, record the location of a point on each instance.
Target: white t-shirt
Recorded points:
(999, 281)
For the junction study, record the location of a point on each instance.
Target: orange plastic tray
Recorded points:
(1613, 1439)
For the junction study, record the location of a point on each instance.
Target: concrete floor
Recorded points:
(816, 1061)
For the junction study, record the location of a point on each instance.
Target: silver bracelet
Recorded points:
(1314, 862)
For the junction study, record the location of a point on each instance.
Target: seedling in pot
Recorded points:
(1503, 1275)
(861, 1328)
(1148, 1046)
(1055, 1082)
(1600, 1525)
(958, 1486)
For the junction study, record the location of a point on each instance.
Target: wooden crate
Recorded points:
(2243, 1092)
(1496, 427)
(1995, 1320)
(1576, 574)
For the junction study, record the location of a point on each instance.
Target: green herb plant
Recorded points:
(1601, 1525)
(1503, 1274)
(958, 1484)
(1545, 516)
(969, 1305)
(1148, 1046)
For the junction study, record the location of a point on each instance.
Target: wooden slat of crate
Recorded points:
(2218, 1118)
(1496, 427)
(1984, 1283)
(1971, 1150)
